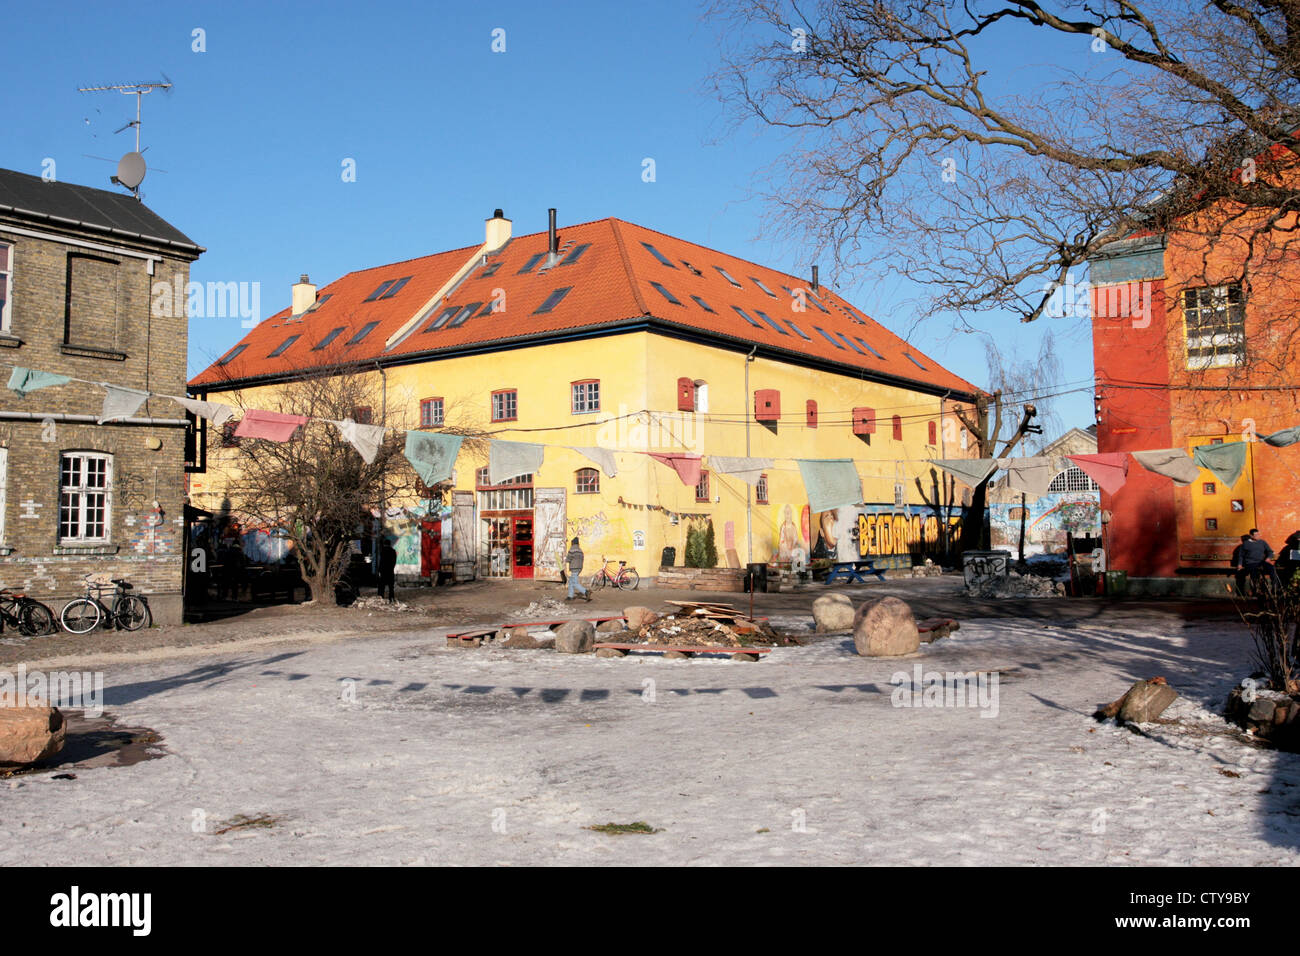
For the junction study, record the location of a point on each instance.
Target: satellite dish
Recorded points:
(130, 170)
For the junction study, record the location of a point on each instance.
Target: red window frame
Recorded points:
(591, 477)
(573, 409)
(702, 487)
(760, 490)
(427, 403)
(493, 401)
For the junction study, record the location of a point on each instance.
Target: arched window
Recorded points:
(1073, 478)
(586, 481)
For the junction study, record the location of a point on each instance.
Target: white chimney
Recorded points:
(304, 295)
(497, 232)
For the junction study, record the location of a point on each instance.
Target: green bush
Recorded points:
(701, 549)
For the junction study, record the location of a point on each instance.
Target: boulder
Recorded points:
(610, 652)
(833, 612)
(609, 627)
(29, 734)
(637, 617)
(885, 628)
(521, 640)
(575, 637)
(1146, 700)
(1261, 711)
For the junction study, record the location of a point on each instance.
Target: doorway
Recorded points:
(521, 546)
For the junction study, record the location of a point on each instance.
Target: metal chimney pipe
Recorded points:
(552, 241)
(815, 286)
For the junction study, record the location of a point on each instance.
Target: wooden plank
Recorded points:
(687, 648)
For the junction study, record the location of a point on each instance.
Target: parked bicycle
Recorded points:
(625, 578)
(25, 614)
(130, 612)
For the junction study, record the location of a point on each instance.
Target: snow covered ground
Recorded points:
(504, 757)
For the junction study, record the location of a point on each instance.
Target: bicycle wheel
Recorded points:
(597, 580)
(628, 579)
(80, 616)
(131, 613)
(35, 618)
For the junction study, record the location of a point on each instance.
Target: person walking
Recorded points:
(388, 570)
(574, 560)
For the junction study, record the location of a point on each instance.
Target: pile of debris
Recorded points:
(373, 602)
(1269, 714)
(706, 624)
(1016, 586)
(545, 609)
(927, 570)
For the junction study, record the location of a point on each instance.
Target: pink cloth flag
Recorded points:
(1109, 469)
(686, 466)
(273, 426)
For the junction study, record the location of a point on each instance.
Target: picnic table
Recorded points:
(852, 571)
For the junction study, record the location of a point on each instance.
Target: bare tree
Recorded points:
(917, 147)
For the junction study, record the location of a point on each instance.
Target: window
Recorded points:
(553, 300)
(431, 413)
(798, 331)
(666, 294)
(334, 333)
(1211, 524)
(396, 287)
(1208, 488)
(443, 317)
(586, 481)
(365, 330)
(319, 302)
(383, 287)
(759, 283)
(914, 361)
(576, 254)
(770, 321)
(1073, 478)
(659, 255)
(505, 406)
(490, 270)
(826, 336)
(760, 490)
(85, 479)
(745, 315)
(283, 345)
(6, 280)
(1216, 326)
(817, 302)
(849, 342)
(463, 315)
(363, 415)
(586, 397)
(864, 344)
(528, 266)
(898, 427)
(699, 396)
(91, 303)
(702, 304)
(702, 489)
(231, 355)
(727, 276)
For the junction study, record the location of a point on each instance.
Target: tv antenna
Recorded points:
(131, 167)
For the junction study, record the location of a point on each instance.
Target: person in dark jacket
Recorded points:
(1253, 560)
(574, 561)
(387, 570)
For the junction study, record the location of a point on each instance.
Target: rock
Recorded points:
(546, 644)
(29, 734)
(885, 628)
(638, 617)
(1146, 700)
(575, 637)
(610, 652)
(609, 627)
(833, 612)
(744, 657)
(1261, 711)
(676, 656)
(935, 628)
(521, 640)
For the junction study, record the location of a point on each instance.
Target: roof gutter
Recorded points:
(95, 227)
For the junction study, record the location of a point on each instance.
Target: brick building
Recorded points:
(77, 270)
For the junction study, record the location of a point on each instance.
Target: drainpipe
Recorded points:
(749, 509)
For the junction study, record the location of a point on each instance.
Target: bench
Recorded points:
(678, 651)
(935, 628)
(852, 572)
(476, 637)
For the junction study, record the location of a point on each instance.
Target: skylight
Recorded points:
(803, 335)
(365, 330)
(319, 302)
(487, 309)
(659, 255)
(443, 317)
(284, 345)
(745, 315)
(396, 287)
(770, 321)
(817, 302)
(575, 255)
(864, 344)
(827, 337)
(915, 362)
(553, 300)
(666, 294)
(759, 283)
(464, 314)
(849, 342)
(528, 266)
(726, 275)
(231, 355)
(334, 333)
(490, 269)
(383, 287)
(702, 304)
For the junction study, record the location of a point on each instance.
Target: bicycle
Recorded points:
(626, 579)
(129, 612)
(28, 615)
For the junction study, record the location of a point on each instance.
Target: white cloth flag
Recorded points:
(510, 459)
(600, 456)
(748, 470)
(120, 403)
(216, 412)
(366, 439)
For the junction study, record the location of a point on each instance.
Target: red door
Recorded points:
(521, 546)
(430, 548)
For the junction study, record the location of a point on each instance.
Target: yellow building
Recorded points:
(612, 336)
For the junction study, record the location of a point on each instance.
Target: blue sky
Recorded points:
(442, 130)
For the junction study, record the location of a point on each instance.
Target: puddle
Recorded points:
(94, 742)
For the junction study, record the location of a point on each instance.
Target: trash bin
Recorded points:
(668, 558)
(756, 577)
(1116, 583)
(981, 565)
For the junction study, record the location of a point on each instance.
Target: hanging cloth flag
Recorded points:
(25, 380)
(971, 471)
(510, 459)
(1225, 461)
(120, 403)
(1108, 469)
(748, 470)
(432, 455)
(686, 466)
(830, 483)
(216, 412)
(1171, 462)
(1032, 476)
(366, 439)
(1287, 436)
(601, 456)
(273, 426)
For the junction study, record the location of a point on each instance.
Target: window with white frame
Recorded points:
(586, 397)
(586, 481)
(1215, 317)
(505, 406)
(85, 483)
(1073, 478)
(6, 283)
(431, 413)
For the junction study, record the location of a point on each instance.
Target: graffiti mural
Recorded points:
(1048, 521)
(846, 534)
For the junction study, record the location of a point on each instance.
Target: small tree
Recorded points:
(709, 549)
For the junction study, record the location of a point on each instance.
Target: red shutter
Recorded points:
(864, 421)
(812, 413)
(934, 434)
(898, 428)
(767, 405)
(685, 395)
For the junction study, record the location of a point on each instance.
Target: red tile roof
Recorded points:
(612, 285)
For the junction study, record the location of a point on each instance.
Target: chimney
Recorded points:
(552, 240)
(815, 286)
(498, 231)
(304, 295)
